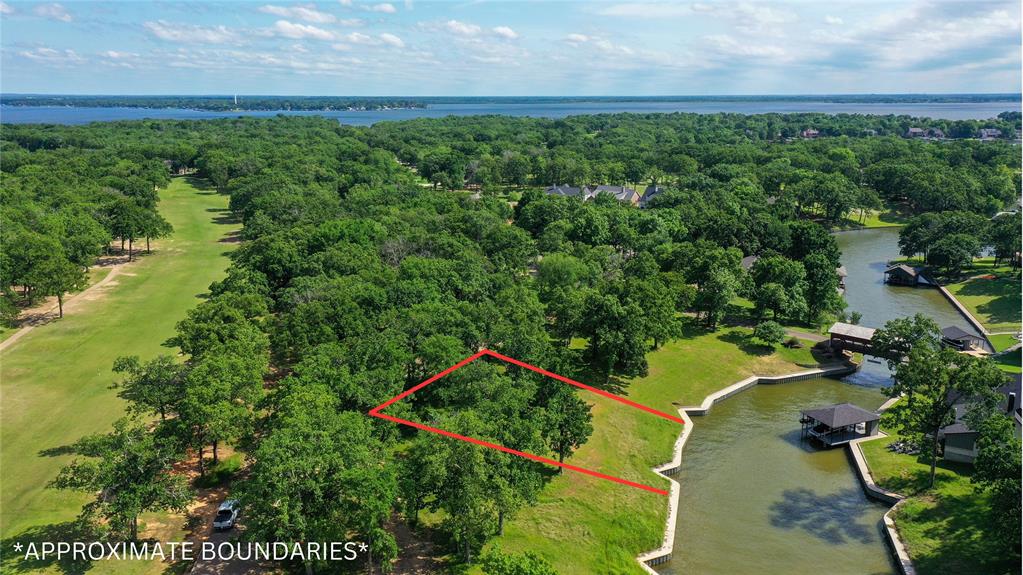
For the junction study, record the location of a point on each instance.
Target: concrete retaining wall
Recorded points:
(663, 553)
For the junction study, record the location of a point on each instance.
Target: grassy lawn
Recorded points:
(889, 218)
(587, 525)
(56, 379)
(946, 529)
(1009, 362)
(994, 301)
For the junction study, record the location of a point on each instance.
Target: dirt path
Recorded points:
(416, 555)
(47, 312)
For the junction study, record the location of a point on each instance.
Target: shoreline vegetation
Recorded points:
(263, 102)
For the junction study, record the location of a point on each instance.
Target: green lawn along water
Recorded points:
(586, 525)
(755, 498)
(56, 379)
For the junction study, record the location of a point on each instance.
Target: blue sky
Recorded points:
(416, 47)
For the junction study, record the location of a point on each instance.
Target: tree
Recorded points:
(937, 380)
(56, 275)
(129, 472)
(566, 422)
(771, 333)
(899, 336)
(156, 386)
(955, 252)
(822, 295)
(1004, 236)
(771, 296)
(713, 297)
(154, 226)
(126, 220)
(997, 470)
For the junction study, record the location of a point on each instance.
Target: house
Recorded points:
(564, 190)
(990, 133)
(650, 193)
(810, 133)
(748, 261)
(901, 275)
(916, 133)
(839, 424)
(960, 441)
(935, 133)
(958, 338)
(621, 193)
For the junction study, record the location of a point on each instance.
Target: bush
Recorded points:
(770, 333)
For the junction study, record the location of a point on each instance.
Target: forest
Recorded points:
(374, 257)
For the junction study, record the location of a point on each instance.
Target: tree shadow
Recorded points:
(918, 480)
(963, 524)
(57, 451)
(745, 344)
(829, 517)
(1004, 306)
(13, 561)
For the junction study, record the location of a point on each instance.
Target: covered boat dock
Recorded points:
(838, 424)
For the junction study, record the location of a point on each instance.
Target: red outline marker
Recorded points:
(376, 412)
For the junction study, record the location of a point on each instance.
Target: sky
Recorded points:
(510, 48)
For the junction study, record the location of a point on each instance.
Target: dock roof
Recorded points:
(841, 415)
(852, 331)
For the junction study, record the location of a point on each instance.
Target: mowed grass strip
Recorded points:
(55, 383)
(586, 525)
(992, 294)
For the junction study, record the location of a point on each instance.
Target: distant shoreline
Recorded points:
(249, 103)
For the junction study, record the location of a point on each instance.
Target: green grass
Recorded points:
(1010, 362)
(588, 525)
(945, 528)
(994, 302)
(221, 472)
(1002, 340)
(889, 218)
(56, 379)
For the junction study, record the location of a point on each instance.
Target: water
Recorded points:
(947, 111)
(865, 254)
(755, 499)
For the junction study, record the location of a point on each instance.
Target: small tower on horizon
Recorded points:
(236, 99)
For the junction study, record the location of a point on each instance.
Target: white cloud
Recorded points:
(115, 55)
(345, 2)
(385, 8)
(833, 20)
(307, 12)
(462, 28)
(52, 12)
(359, 38)
(5, 8)
(52, 57)
(190, 33)
(648, 10)
(298, 31)
(506, 32)
(392, 40)
(729, 46)
(577, 38)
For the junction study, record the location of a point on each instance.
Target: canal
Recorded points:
(756, 499)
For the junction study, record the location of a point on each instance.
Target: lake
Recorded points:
(947, 111)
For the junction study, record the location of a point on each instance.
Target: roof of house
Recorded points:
(842, 272)
(748, 261)
(956, 333)
(564, 190)
(1011, 392)
(903, 268)
(851, 330)
(841, 415)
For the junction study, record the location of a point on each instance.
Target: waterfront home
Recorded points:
(962, 340)
(810, 133)
(960, 441)
(902, 275)
(916, 133)
(565, 190)
(838, 424)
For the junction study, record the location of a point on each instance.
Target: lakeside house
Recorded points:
(959, 441)
(903, 275)
(839, 424)
(810, 133)
(928, 133)
(962, 340)
(621, 193)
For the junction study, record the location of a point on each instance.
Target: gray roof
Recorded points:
(956, 333)
(748, 261)
(841, 415)
(902, 267)
(1010, 391)
(850, 330)
(620, 192)
(842, 272)
(564, 190)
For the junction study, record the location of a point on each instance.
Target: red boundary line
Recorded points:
(376, 412)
